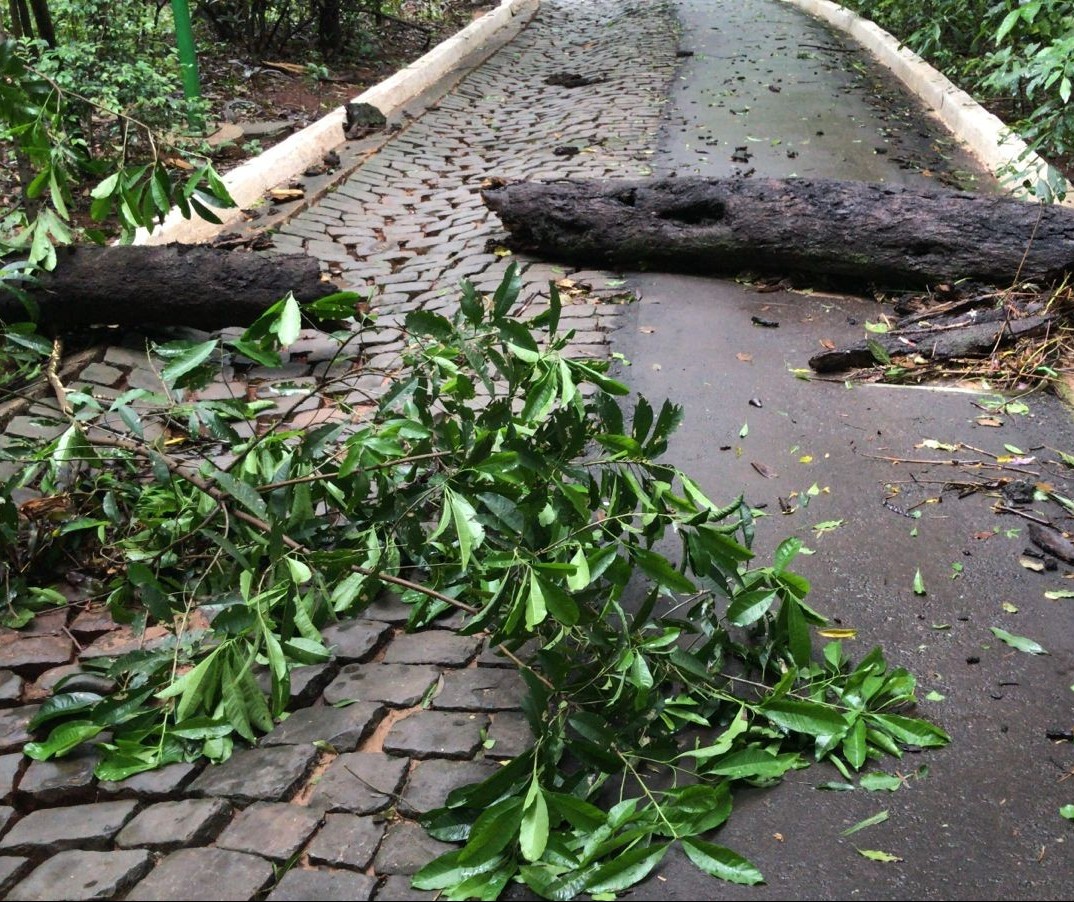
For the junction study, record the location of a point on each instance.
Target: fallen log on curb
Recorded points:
(861, 233)
(166, 285)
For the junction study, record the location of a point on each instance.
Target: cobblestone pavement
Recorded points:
(435, 710)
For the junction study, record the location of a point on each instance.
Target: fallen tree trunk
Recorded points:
(863, 233)
(166, 285)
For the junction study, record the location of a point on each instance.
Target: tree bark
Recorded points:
(856, 232)
(167, 285)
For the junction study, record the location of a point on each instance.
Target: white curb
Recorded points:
(986, 136)
(305, 148)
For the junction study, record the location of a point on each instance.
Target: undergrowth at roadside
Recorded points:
(500, 477)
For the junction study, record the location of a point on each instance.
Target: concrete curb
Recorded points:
(986, 136)
(248, 182)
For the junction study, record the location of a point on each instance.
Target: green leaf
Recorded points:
(447, 870)
(191, 358)
(289, 324)
(787, 551)
(739, 724)
(533, 832)
(754, 763)
(627, 869)
(855, 746)
(1020, 642)
(659, 569)
(299, 571)
(880, 782)
(872, 821)
(919, 584)
(306, 651)
(878, 351)
(467, 527)
(62, 705)
(242, 492)
(910, 730)
(1067, 811)
(721, 862)
(495, 829)
(749, 607)
(62, 739)
(811, 718)
(874, 855)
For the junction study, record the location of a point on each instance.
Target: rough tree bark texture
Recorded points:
(865, 233)
(167, 285)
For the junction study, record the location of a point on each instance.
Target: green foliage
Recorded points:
(1018, 55)
(500, 477)
(118, 57)
(54, 162)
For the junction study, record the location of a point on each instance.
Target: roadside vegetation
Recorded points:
(1015, 56)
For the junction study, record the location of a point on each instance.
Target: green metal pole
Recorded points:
(188, 58)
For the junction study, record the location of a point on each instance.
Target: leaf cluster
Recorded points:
(499, 476)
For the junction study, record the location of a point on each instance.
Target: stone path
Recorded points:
(432, 710)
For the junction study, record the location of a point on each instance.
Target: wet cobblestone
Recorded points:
(334, 789)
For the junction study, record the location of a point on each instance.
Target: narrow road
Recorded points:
(606, 88)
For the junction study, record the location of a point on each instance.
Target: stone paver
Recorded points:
(481, 689)
(346, 841)
(30, 655)
(257, 775)
(360, 783)
(52, 830)
(10, 688)
(205, 874)
(304, 884)
(59, 780)
(441, 647)
(399, 685)
(355, 640)
(12, 870)
(436, 734)
(78, 874)
(510, 735)
(342, 728)
(274, 830)
(167, 826)
(431, 781)
(10, 766)
(407, 848)
(397, 888)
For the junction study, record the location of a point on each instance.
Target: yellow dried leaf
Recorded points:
(838, 633)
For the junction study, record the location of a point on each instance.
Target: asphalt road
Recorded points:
(980, 819)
